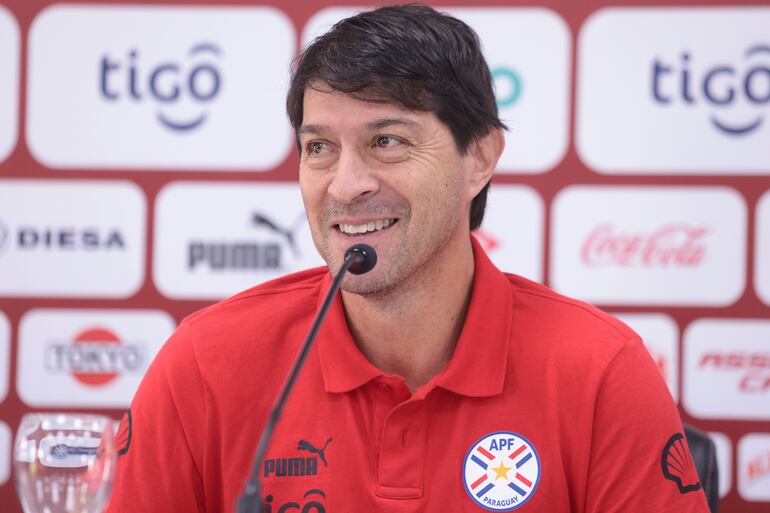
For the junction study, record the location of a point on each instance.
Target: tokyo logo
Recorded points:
(95, 357)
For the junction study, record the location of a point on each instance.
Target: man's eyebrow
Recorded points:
(374, 125)
(312, 129)
(384, 123)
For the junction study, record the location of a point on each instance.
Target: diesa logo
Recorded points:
(719, 85)
(194, 77)
(88, 241)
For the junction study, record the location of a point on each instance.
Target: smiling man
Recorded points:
(438, 383)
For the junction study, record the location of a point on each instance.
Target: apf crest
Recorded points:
(501, 471)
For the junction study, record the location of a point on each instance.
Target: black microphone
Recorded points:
(359, 259)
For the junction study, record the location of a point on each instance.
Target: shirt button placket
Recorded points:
(402, 451)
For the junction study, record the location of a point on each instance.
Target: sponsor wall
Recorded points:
(147, 169)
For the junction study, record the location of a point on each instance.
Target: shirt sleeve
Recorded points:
(159, 467)
(639, 459)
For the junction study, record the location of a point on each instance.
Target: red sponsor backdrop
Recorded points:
(571, 170)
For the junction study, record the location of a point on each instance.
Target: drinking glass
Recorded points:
(64, 462)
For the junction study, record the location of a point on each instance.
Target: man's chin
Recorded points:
(362, 286)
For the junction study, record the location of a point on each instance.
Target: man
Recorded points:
(437, 383)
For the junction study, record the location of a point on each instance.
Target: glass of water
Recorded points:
(64, 462)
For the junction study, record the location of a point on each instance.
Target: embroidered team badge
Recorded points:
(501, 471)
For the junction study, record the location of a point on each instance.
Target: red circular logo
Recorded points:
(91, 337)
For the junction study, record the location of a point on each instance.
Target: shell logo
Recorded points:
(678, 466)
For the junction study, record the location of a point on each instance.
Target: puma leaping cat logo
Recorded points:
(302, 445)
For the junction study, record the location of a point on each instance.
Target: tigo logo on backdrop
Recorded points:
(694, 99)
(250, 233)
(661, 337)
(528, 51)
(167, 83)
(5, 355)
(754, 467)
(762, 249)
(649, 245)
(94, 248)
(5, 453)
(727, 369)
(9, 85)
(89, 358)
(722, 85)
(513, 228)
(159, 87)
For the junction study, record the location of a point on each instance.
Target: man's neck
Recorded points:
(412, 331)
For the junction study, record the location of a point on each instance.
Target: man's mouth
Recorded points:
(361, 229)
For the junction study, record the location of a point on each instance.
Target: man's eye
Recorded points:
(316, 147)
(386, 141)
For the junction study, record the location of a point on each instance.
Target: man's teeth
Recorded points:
(371, 226)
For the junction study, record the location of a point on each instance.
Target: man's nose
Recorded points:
(352, 178)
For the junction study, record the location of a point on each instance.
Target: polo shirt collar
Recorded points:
(477, 367)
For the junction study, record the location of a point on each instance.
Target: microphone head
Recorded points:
(363, 258)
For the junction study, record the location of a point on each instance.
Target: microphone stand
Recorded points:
(358, 260)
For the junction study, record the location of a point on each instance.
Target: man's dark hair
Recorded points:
(410, 55)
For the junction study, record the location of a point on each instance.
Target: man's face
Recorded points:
(380, 174)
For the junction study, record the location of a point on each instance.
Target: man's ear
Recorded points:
(484, 154)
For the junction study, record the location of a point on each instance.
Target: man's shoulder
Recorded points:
(567, 324)
(288, 297)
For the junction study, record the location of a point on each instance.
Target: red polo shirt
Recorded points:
(547, 405)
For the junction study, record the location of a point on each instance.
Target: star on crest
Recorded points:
(501, 471)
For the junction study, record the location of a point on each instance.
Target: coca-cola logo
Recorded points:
(671, 245)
